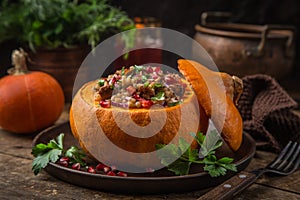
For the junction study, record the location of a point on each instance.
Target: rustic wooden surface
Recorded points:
(18, 182)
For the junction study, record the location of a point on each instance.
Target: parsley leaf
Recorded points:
(215, 170)
(144, 78)
(76, 155)
(186, 151)
(146, 84)
(184, 155)
(40, 148)
(169, 153)
(209, 143)
(180, 167)
(101, 82)
(46, 153)
(51, 152)
(138, 68)
(174, 103)
(160, 96)
(42, 160)
(157, 85)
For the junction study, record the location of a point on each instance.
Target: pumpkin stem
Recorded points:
(18, 58)
(238, 88)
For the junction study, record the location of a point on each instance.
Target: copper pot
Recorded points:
(244, 49)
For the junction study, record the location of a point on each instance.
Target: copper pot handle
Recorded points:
(259, 51)
(214, 14)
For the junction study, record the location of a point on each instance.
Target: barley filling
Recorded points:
(140, 87)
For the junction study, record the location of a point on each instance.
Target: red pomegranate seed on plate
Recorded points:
(122, 174)
(64, 159)
(106, 169)
(111, 173)
(76, 166)
(100, 167)
(63, 163)
(91, 170)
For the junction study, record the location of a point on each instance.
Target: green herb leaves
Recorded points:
(76, 155)
(101, 82)
(184, 155)
(158, 85)
(209, 143)
(45, 153)
(218, 167)
(160, 96)
(138, 68)
(62, 23)
(174, 103)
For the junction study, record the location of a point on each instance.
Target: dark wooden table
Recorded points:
(17, 181)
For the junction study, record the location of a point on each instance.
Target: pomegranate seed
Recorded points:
(100, 166)
(105, 104)
(76, 166)
(63, 163)
(157, 69)
(146, 103)
(106, 169)
(64, 159)
(137, 97)
(122, 174)
(111, 173)
(91, 170)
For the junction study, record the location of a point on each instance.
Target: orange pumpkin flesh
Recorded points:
(29, 102)
(99, 134)
(218, 105)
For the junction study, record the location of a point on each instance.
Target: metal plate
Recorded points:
(161, 181)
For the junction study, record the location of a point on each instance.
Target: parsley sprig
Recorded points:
(184, 155)
(51, 152)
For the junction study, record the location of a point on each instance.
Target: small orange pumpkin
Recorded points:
(29, 101)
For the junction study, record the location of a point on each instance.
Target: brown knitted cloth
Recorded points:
(267, 111)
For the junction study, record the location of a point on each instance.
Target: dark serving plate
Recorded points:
(161, 181)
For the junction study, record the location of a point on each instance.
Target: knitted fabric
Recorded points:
(267, 112)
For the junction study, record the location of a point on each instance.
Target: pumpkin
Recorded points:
(218, 106)
(29, 101)
(99, 130)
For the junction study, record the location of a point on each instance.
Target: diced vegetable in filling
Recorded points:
(139, 87)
